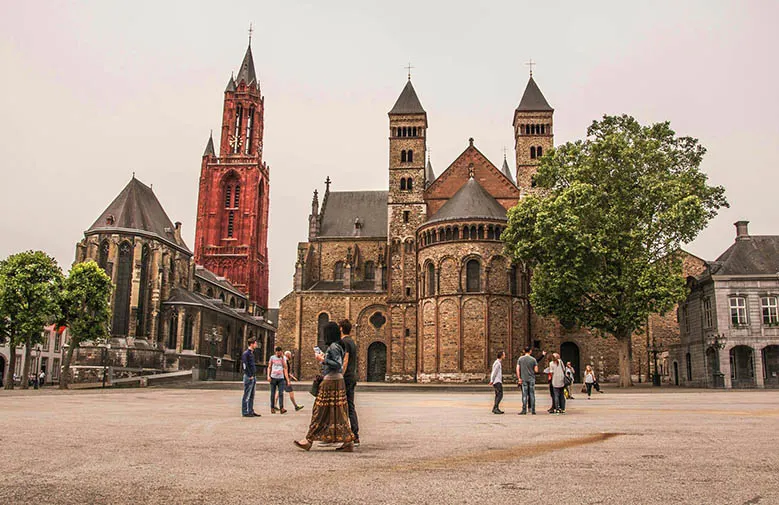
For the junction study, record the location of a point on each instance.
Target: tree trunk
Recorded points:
(9, 374)
(625, 344)
(26, 367)
(65, 374)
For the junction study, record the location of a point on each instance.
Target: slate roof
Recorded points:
(408, 102)
(181, 296)
(210, 147)
(208, 275)
(341, 208)
(230, 84)
(137, 208)
(429, 174)
(756, 255)
(507, 171)
(533, 100)
(246, 73)
(470, 202)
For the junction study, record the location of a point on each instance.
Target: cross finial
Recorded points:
(251, 30)
(409, 67)
(327, 184)
(504, 153)
(531, 64)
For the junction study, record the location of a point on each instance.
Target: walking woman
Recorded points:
(557, 370)
(591, 381)
(330, 415)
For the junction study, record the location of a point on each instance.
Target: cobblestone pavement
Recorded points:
(192, 446)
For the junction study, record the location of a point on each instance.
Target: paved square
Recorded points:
(192, 446)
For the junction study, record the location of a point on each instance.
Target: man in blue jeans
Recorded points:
(527, 368)
(278, 378)
(249, 380)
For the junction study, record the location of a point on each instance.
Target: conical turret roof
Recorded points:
(533, 100)
(470, 202)
(246, 73)
(507, 171)
(230, 84)
(137, 208)
(429, 174)
(408, 102)
(210, 147)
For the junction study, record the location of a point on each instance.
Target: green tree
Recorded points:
(599, 232)
(85, 309)
(29, 284)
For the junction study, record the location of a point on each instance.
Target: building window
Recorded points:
(513, 280)
(738, 311)
(370, 271)
(236, 196)
(228, 193)
(472, 280)
(121, 317)
(409, 183)
(430, 279)
(406, 215)
(339, 271)
(321, 322)
(55, 369)
(230, 223)
(688, 358)
(410, 156)
(103, 258)
(403, 156)
(532, 152)
(143, 291)
(770, 313)
(408, 292)
(708, 319)
(238, 120)
(403, 184)
(686, 318)
(173, 326)
(249, 132)
(539, 152)
(188, 324)
(57, 341)
(45, 342)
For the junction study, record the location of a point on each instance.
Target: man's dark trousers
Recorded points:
(274, 385)
(247, 403)
(498, 395)
(350, 384)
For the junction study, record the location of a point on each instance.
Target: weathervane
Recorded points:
(531, 64)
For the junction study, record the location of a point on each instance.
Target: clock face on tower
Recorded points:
(235, 142)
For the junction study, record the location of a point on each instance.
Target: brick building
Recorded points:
(730, 320)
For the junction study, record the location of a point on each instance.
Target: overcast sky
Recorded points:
(94, 90)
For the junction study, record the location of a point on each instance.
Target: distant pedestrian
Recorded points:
(557, 371)
(570, 372)
(350, 375)
(278, 377)
(42, 378)
(249, 379)
(330, 415)
(288, 388)
(527, 368)
(591, 381)
(496, 381)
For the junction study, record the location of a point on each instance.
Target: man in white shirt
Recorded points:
(496, 381)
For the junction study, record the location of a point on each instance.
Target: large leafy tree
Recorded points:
(85, 309)
(29, 284)
(599, 231)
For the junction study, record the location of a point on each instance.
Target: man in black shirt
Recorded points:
(350, 375)
(249, 379)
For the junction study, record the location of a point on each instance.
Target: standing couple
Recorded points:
(334, 419)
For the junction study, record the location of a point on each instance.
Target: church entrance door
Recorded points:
(570, 352)
(377, 362)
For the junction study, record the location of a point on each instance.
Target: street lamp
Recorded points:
(36, 352)
(717, 341)
(213, 338)
(105, 347)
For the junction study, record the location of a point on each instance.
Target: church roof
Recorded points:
(533, 100)
(470, 202)
(137, 208)
(429, 174)
(755, 255)
(209, 276)
(246, 73)
(341, 208)
(408, 102)
(230, 84)
(507, 171)
(181, 296)
(210, 147)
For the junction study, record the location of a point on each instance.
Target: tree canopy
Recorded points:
(29, 286)
(84, 308)
(600, 228)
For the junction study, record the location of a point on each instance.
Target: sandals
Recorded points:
(305, 447)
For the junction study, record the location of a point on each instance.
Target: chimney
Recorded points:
(742, 230)
(177, 233)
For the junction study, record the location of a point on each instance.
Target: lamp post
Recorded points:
(212, 338)
(717, 341)
(105, 348)
(36, 352)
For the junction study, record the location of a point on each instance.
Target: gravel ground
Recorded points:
(192, 446)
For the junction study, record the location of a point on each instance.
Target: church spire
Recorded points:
(408, 102)
(532, 99)
(210, 146)
(505, 168)
(246, 73)
(429, 174)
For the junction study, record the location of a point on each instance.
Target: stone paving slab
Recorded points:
(192, 447)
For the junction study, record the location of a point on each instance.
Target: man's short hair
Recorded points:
(346, 326)
(278, 348)
(251, 340)
(527, 348)
(500, 353)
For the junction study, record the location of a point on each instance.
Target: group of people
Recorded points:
(333, 418)
(33, 380)
(559, 375)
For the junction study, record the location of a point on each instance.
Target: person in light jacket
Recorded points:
(496, 381)
(557, 371)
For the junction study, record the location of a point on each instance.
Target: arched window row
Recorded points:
(473, 282)
(536, 152)
(407, 131)
(406, 184)
(535, 129)
(466, 232)
(407, 156)
(232, 195)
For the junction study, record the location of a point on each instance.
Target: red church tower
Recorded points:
(231, 237)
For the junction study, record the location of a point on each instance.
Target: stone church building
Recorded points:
(419, 267)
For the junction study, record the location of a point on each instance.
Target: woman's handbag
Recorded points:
(315, 385)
